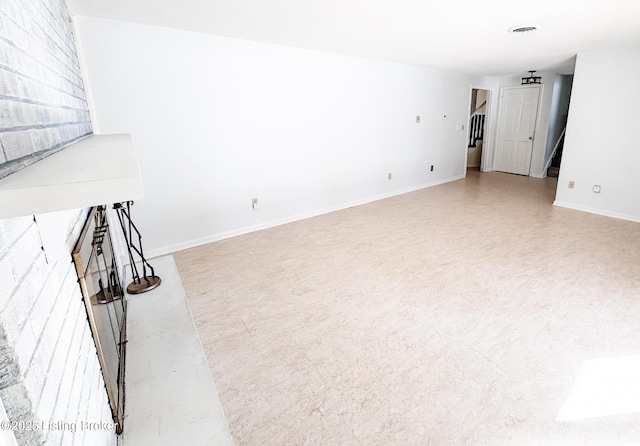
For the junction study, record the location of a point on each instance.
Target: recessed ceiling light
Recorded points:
(521, 29)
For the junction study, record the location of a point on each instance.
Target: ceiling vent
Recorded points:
(522, 29)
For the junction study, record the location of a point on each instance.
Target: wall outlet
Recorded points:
(572, 184)
(418, 119)
(389, 176)
(596, 188)
(254, 203)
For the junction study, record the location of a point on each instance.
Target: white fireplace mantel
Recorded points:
(101, 169)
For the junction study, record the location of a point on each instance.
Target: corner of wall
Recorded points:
(599, 141)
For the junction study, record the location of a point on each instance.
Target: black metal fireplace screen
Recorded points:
(99, 275)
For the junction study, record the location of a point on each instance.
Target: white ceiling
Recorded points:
(462, 35)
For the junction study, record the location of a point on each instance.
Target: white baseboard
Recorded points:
(597, 211)
(281, 221)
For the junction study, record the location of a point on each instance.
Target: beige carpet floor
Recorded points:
(470, 313)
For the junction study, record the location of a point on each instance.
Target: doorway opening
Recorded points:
(558, 115)
(476, 136)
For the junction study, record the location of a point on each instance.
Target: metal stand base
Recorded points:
(131, 234)
(147, 283)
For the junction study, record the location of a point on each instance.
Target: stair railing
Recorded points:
(476, 125)
(476, 129)
(555, 149)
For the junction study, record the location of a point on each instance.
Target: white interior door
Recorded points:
(516, 127)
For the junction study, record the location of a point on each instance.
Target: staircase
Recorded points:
(476, 129)
(476, 137)
(554, 168)
(476, 132)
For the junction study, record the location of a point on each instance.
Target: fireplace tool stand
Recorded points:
(148, 281)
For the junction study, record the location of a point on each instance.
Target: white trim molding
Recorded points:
(272, 223)
(597, 211)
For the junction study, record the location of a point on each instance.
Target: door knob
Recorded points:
(531, 137)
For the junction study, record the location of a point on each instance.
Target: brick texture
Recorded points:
(49, 371)
(43, 107)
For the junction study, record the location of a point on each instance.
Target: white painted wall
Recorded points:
(216, 121)
(480, 99)
(601, 143)
(491, 83)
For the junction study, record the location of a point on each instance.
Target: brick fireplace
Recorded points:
(50, 377)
